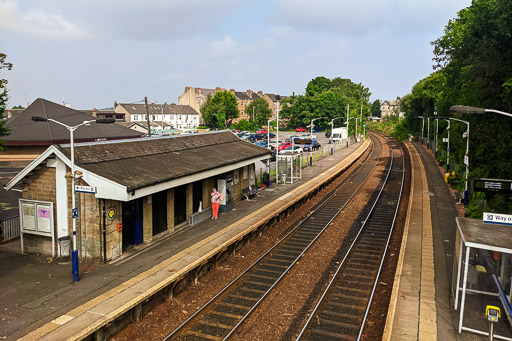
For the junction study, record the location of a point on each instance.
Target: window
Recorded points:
(135, 117)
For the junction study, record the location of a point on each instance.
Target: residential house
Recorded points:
(390, 107)
(29, 138)
(166, 117)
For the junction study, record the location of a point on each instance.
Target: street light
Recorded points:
(466, 158)
(462, 109)
(422, 127)
(348, 106)
(311, 136)
(332, 128)
(268, 146)
(74, 212)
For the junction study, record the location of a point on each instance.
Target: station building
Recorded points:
(133, 190)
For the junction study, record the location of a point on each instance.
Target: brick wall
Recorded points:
(40, 185)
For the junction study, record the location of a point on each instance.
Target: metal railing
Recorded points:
(10, 228)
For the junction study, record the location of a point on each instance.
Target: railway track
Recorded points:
(225, 312)
(343, 307)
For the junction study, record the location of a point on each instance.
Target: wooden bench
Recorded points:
(250, 192)
(458, 196)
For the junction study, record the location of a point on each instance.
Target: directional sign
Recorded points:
(85, 189)
(74, 213)
(466, 160)
(496, 218)
(445, 139)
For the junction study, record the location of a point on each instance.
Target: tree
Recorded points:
(375, 109)
(3, 98)
(326, 98)
(261, 111)
(220, 108)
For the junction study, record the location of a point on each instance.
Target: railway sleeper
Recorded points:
(341, 298)
(337, 325)
(351, 291)
(255, 286)
(350, 285)
(325, 335)
(231, 309)
(279, 262)
(346, 308)
(335, 316)
(261, 279)
(250, 293)
(204, 329)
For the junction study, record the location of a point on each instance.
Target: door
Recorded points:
(159, 203)
(132, 224)
(180, 204)
(197, 195)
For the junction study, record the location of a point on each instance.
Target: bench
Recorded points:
(458, 196)
(250, 192)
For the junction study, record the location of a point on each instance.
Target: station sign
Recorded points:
(492, 185)
(497, 218)
(85, 189)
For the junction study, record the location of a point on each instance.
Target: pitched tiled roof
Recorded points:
(24, 131)
(144, 162)
(241, 96)
(158, 109)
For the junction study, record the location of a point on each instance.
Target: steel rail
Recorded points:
(238, 279)
(356, 240)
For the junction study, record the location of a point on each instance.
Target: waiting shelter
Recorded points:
(289, 168)
(482, 276)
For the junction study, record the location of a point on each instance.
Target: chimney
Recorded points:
(115, 104)
(260, 93)
(187, 88)
(217, 88)
(249, 92)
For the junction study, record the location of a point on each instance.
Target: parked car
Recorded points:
(272, 135)
(255, 137)
(283, 145)
(291, 138)
(327, 134)
(261, 131)
(300, 129)
(262, 143)
(292, 150)
(314, 145)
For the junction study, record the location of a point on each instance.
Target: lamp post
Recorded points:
(268, 145)
(466, 158)
(74, 212)
(332, 128)
(463, 109)
(311, 136)
(422, 127)
(348, 105)
(428, 132)
(436, 132)
(448, 147)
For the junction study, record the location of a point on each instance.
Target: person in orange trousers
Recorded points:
(216, 198)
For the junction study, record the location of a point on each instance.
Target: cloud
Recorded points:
(36, 22)
(224, 47)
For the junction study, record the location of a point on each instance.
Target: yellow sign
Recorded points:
(111, 213)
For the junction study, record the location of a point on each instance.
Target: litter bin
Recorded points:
(65, 246)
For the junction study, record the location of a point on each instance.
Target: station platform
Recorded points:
(40, 300)
(420, 307)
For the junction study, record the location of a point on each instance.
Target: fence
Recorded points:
(10, 228)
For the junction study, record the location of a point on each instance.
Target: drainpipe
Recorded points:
(104, 234)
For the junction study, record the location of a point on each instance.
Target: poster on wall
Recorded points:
(28, 216)
(44, 218)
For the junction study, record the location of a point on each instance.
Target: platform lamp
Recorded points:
(422, 127)
(348, 106)
(466, 158)
(463, 109)
(311, 136)
(74, 211)
(332, 128)
(268, 146)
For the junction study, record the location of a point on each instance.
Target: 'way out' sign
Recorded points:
(496, 218)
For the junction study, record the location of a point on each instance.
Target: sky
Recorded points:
(90, 53)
